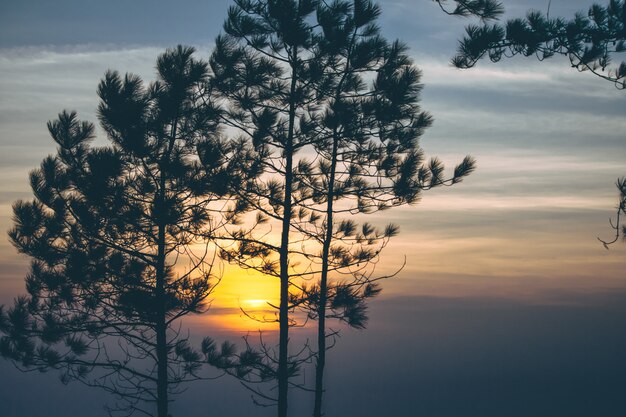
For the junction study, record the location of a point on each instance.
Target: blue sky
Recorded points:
(511, 253)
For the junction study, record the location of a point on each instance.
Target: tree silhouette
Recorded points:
(485, 9)
(365, 136)
(259, 71)
(621, 210)
(113, 236)
(591, 41)
(326, 112)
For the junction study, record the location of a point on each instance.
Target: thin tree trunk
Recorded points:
(283, 318)
(160, 325)
(321, 312)
(161, 337)
(321, 309)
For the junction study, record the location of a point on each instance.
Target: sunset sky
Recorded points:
(508, 305)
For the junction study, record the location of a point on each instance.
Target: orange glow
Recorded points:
(255, 303)
(241, 301)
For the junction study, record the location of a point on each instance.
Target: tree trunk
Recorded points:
(283, 318)
(321, 309)
(160, 321)
(160, 327)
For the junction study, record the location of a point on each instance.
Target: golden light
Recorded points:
(255, 303)
(241, 301)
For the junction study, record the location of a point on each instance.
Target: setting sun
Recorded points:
(255, 303)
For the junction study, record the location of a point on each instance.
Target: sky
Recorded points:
(507, 305)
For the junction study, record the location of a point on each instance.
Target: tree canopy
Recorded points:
(591, 40)
(328, 110)
(113, 237)
(269, 156)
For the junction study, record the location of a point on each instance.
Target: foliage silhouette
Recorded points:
(485, 9)
(590, 42)
(621, 210)
(366, 140)
(108, 232)
(326, 111)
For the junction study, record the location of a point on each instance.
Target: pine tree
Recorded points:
(260, 73)
(328, 111)
(590, 40)
(114, 234)
(365, 135)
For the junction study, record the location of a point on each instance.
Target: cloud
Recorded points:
(151, 22)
